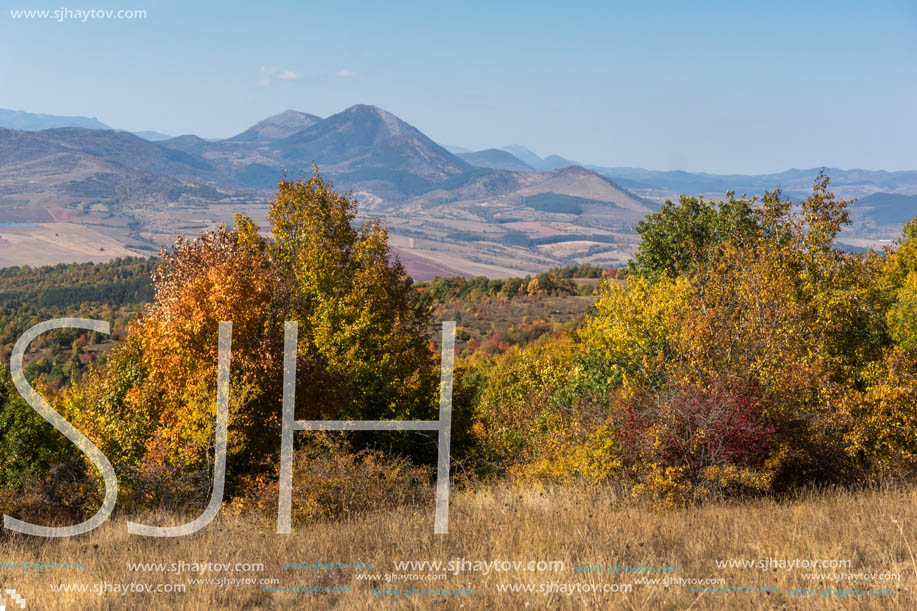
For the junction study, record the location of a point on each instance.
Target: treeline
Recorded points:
(119, 282)
(113, 291)
(555, 282)
(519, 238)
(127, 282)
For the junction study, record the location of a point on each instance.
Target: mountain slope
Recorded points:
(555, 162)
(551, 162)
(60, 174)
(887, 208)
(523, 153)
(576, 181)
(130, 151)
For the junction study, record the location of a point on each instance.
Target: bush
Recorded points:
(715, 439)
(41, 472)
(332, 482)
(883, 418)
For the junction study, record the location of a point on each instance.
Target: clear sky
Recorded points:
(719, 86)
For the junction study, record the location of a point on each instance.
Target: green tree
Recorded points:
(676, 238)
(363, 328)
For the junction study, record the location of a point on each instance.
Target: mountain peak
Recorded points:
(367, 143)
(366, 108)
(278, 126)
(392, 123)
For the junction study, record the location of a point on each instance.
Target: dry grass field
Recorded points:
(52, 243)
(874, 530)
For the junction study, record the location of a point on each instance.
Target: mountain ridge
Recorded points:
(28, 121)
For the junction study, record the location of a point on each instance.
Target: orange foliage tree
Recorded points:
(363, 349)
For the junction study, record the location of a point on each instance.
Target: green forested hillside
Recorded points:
(119, 282)
(113, 291)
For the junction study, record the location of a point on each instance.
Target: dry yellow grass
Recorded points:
(51, 243)
(876, 530)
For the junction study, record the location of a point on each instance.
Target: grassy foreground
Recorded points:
(875, 530)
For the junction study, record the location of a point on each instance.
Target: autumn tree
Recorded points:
(152, 409)
(899, 278)
(362, 327)
(363, 350)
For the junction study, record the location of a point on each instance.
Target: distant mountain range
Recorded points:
(494, 212)
(853, 183)
(551, 162)
(363, 147)
(480, 213)
(27, 121)
(514, 157)
(496, 159)
(884, 200)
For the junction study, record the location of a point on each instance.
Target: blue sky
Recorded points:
(719, 86)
